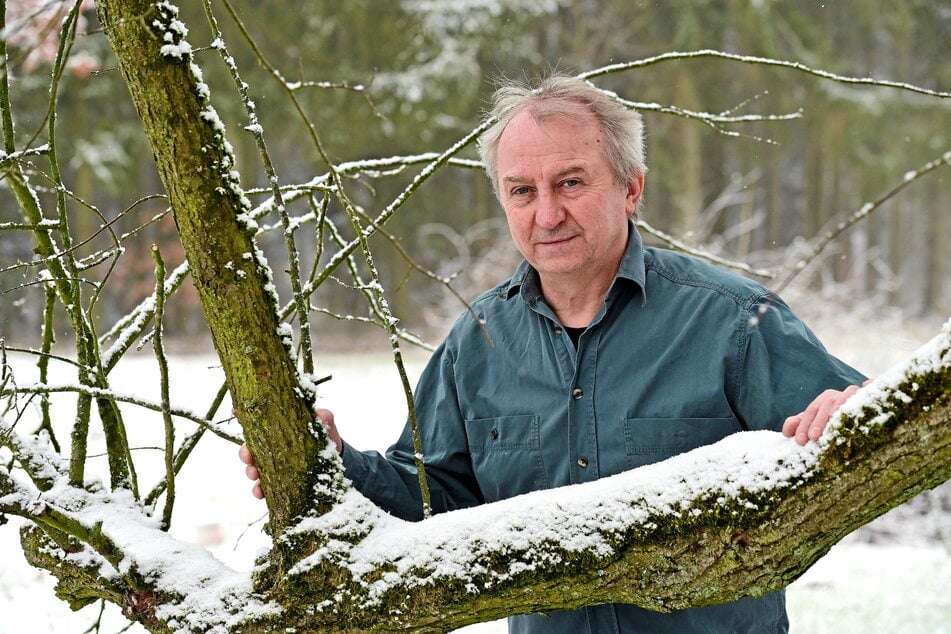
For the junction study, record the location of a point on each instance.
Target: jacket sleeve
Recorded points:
(782, 366)
(391, 481)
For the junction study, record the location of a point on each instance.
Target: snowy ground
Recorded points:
(894, 577)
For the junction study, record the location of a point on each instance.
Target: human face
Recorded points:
(566, 212)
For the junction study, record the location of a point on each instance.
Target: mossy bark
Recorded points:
(695, 560)
(195, 164)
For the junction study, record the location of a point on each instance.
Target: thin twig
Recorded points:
(257, 132)
(158, 346)
(678, 245)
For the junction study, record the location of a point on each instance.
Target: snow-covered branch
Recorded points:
(857, 216)
(742, 517)
(762, 61)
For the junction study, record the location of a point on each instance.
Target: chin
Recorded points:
(559, 268)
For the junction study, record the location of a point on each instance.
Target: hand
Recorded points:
(810, 424)
(326, 418)
(251, 471)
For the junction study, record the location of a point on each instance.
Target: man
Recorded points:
(605, 355)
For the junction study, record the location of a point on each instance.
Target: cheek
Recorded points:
(520, 225)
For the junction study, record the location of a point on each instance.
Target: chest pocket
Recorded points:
(649, 440)
(506, 455)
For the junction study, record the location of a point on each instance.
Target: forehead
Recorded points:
(550, 137)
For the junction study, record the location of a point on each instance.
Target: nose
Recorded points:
(549, 212)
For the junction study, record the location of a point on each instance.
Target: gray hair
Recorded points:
(560, 95)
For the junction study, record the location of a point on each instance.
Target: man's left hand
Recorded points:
(810, 424)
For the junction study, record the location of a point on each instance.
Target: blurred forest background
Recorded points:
(413, 76)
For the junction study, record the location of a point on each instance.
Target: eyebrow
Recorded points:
(568, 171)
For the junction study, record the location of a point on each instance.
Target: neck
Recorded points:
(575, 300)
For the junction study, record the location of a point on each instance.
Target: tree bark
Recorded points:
(196, 166)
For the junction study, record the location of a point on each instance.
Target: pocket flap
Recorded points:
(671, 436)
(503, 433)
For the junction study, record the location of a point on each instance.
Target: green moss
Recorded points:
(858, 435)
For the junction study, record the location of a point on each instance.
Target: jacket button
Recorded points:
(494, 433)
(582, 462)
(577, 393)
(558, 330)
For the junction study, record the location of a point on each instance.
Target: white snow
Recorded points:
(576, 519)
(858, 587)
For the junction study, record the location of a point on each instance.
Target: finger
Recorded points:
(791, 425)
(805, 423)
(817, 427)
(257, 491)
(326, 418)
(809, 414)
(829, 406)
(820, 412)
(818, 423)
(244, 454)
(797, 427)
(252, 472)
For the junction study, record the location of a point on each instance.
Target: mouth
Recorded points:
(555, 242)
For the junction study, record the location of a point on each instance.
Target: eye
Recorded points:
(522, 190)
(570, 182)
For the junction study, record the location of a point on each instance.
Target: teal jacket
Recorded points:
(681, 354)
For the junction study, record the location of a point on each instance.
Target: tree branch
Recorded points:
(742, 517)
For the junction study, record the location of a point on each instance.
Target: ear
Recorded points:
(635, 187)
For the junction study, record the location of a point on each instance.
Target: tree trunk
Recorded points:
(196, 165)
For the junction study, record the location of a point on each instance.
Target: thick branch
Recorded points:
(739, 518)
(691, 531)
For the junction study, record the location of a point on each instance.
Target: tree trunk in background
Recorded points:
(938, 282)
(896, 243)
(688, 199)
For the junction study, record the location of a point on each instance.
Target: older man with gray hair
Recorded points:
(605, 355)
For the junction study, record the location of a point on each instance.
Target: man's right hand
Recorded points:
(326, 418)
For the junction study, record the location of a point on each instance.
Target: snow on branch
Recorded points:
(732, 484)
(880, 404)
(119, 397)
(679, 245)
(864, 211)
(111, 537)
(765, 61)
